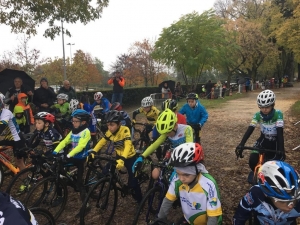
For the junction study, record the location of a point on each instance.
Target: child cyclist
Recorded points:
(151, 112)
(62, 105)
(196, 114)
(168, 128)
(120, 137)
(195, 187)
(13, 135)
(126, 119)
(23, 102)
(173, 105)
(275, 200)
(46, 132)
(79, 137)
(271, 126)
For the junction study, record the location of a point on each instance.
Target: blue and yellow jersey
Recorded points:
(152, 115)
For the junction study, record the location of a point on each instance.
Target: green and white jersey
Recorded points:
(268, 128)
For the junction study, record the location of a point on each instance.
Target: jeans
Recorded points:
(117, 97)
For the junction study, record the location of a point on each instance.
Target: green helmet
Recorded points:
(166, 121)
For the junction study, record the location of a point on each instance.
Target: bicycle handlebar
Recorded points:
(260, 150)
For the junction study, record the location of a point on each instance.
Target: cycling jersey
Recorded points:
(264, 210)
(63, 109)
(183, 134)
(200, 201)
(268, 128)
(196, 115)
(104, 104)
(50, 136)
(80, 144)
(121, 141)
(180, 118)
(152, 115)
(14, 212)
(9, 126)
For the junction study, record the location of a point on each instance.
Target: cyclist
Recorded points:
(167, 126)
(13, 137)
(151, 113)
(196, 114)
(13, 211)
(62, 105)
(79, 137)
(195, 187)
(44, 125)
(271, 126)
(275, 200)
(173, 105)
(103, 102)
(126, 119)
(120, 137)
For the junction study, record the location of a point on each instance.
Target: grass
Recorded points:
(215, 103)
(295, 109)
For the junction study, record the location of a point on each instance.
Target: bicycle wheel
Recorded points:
(23, 182)
(144, 175)
(42, 216)
(150, 205)
(46, 193)
(1, 175)
(100, 210)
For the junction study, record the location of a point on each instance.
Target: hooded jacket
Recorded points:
(13, 91)
(27, 110)
(21, 121)
(70, 92)
(43, 95)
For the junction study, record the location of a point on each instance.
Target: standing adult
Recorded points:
(208, 86)
(118, 81)
(44, 96)
(68, 90)
(11, 96)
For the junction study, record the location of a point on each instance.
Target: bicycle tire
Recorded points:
(147, 201)
(42, 196)
(19, 179)
(95, 210)
(47, 217)
(1, 175)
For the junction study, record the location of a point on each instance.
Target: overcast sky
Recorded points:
(123, 22)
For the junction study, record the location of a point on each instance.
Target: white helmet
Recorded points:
(98, 96)
(147, 101)
(2, 97)
(62, 96)
(73, 105)
(266, 98)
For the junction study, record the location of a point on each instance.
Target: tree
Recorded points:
(26, 16)
(190, 45)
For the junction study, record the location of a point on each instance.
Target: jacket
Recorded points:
(21, 121)
(197, 115)
(118, 85)
(42, 95)
(27, 110)
(63, 109)
(71, 93)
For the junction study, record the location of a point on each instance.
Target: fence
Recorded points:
(158, 98)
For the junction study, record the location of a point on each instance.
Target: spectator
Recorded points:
(118, 81)
(165, 90)
(29, 120)
(178, 91)
(208, 86)
(247, 84)
(11, 96)
(44, 96)
(68, 90)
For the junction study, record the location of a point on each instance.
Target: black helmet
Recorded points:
(113, 116)
(115, 106)
(192, 96)
(169, 104)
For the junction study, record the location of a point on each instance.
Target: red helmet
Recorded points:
(45, 116)
(187, 154)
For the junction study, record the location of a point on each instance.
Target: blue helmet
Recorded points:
(81, 114)
(279, 180)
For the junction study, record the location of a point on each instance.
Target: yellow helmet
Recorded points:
(166, 121)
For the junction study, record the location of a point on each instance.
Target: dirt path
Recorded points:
(224, 130)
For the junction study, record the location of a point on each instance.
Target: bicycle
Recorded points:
(103, 206)
(43, 216)
(196, 132)
(252, 177)
(6, 161)
(45, 191)
(140, 138)
(29, 177)
(154, 197)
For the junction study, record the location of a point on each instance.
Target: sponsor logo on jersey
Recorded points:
(211, 191)
(213, 202)
(248, 198)
(197, 205)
